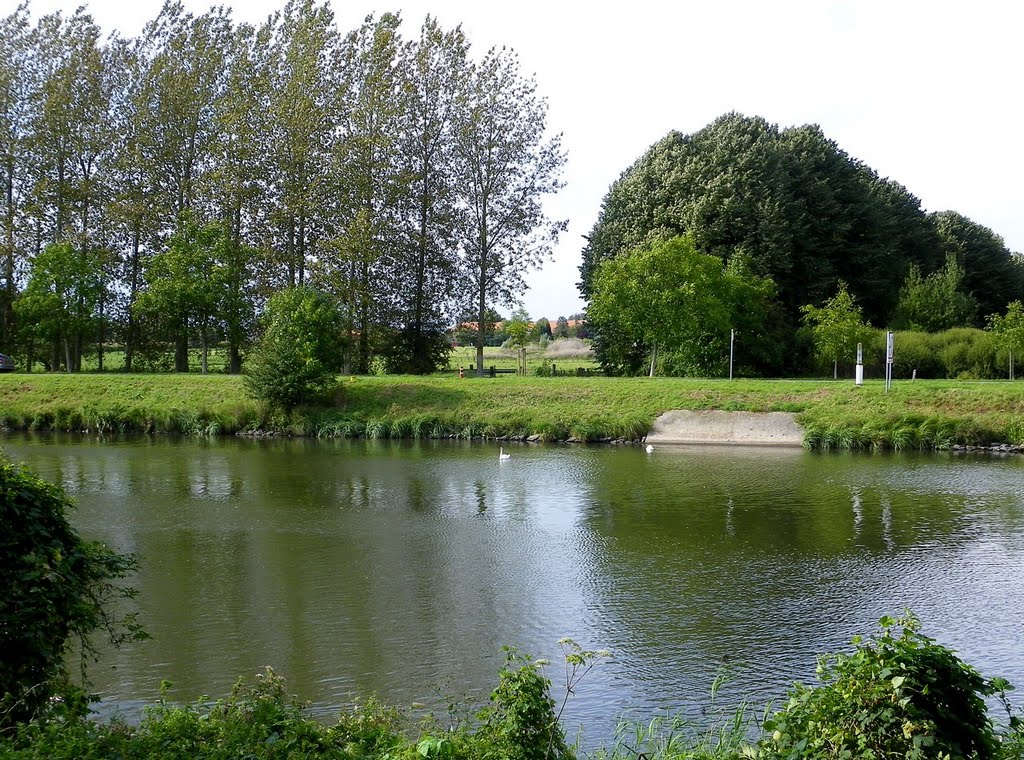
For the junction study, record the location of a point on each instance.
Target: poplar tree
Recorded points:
(184, 82)
(435, 68)
(70, 144)
(371, 181)
(135, 217)
(237, 181)
(303, 80)
(181, 87)
(507, 165)
(15, 52)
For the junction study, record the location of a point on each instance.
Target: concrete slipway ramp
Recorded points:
(771, 428)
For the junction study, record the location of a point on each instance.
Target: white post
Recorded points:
(858, 378)
(889, 351)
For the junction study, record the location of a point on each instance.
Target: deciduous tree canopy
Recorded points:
(399, 174)
(797, 209)
(670, 298)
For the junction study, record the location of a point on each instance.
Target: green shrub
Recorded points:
(56, 588)
(520, 723)
(966, 353)
(963, 352)
(914, 351)
(899, 694)
(300, 353)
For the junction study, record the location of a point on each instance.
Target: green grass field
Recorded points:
(461, 356)
(465, 356)
(834, 414)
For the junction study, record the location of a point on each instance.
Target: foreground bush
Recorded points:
(897, 695)
(57, 590)
(260, 720)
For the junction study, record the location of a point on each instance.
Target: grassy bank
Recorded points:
(923, 414)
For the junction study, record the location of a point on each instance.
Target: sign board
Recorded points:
(888, 347)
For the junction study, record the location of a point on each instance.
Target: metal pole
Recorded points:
(732, 342)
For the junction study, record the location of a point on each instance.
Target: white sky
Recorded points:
(927, 93)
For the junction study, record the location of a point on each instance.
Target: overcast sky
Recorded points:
(926, 93)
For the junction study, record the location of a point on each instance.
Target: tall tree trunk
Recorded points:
(482, 295)
(235, 329)
(181, 353)
(58, 224)
(290, 251)
(481, 326)
(102, 333)
(79, 336)
(302, 249)
(133, 290)
(363, 342)
(7, 317)
(418, 342)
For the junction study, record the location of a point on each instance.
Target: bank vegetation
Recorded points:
(924, 414)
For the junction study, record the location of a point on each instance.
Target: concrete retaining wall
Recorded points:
(771, 428)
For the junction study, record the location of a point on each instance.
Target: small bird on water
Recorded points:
(650, 449)
(502, 456)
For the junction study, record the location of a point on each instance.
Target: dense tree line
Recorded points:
(791, 206)
(156, 191)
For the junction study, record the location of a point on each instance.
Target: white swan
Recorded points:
(502, 456)
(650, 449)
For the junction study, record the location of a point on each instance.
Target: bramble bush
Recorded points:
(57, 590)
(898, 695)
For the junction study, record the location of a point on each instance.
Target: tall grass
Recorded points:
(721, 733)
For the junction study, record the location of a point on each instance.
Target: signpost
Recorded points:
(858, 378)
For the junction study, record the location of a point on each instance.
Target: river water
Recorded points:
(402, 569)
